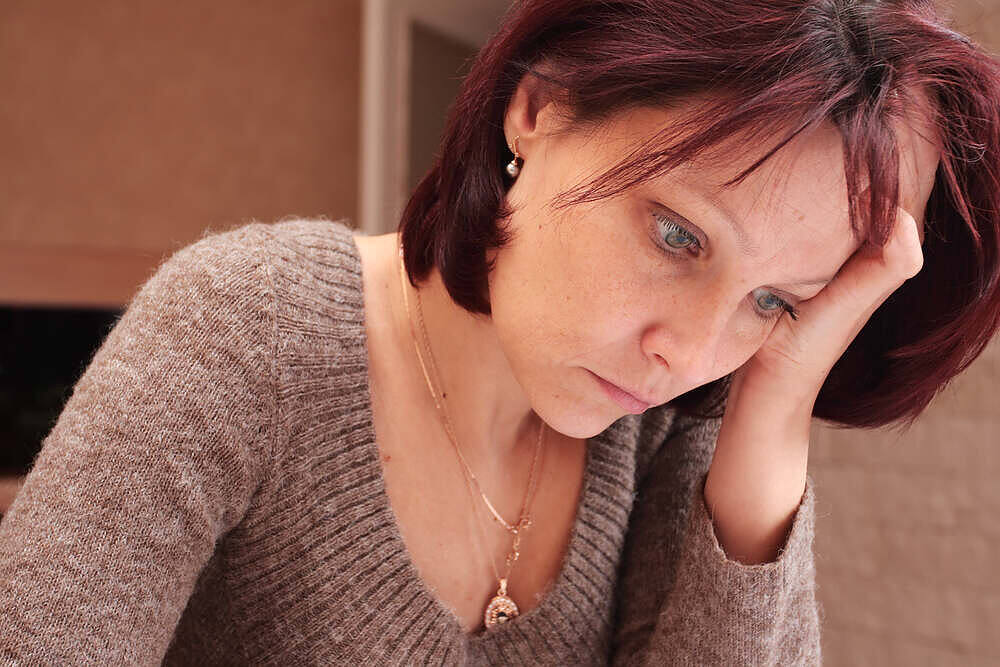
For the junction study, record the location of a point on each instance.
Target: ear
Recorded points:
(530, 114)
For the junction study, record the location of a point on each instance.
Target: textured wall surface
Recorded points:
(129, 127)
(908, 528)
(437, 64)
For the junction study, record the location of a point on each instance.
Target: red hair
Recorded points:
(767, 63)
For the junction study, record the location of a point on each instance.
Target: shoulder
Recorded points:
(254, 265)
(255, 245)
(258, 303)
(313, 242)
(231, 290)
(314, 267)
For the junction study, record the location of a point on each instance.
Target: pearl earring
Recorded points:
(513, 168)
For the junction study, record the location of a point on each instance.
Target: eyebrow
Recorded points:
(743, 241)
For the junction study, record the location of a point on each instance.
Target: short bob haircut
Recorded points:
(854, 63)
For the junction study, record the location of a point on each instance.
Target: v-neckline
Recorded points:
(553, 596)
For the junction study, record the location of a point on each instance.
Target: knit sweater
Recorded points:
(212, 494)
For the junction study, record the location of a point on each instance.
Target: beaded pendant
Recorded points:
(501, 608)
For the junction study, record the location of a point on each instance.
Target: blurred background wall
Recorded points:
(130, 128)
(908, 527)
(127, 130)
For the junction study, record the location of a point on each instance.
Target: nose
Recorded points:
(689, 340)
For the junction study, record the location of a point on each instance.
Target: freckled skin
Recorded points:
(594, 289)
(580, 290)
(586, 288)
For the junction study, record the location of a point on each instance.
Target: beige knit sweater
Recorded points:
(211, 495)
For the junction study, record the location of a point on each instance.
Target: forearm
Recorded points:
(757, 476)
(705, 608)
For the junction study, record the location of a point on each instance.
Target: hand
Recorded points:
(758, 471)
(797, 356)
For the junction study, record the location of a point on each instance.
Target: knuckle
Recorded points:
(916, 264)
(902, 260)
(910, 263)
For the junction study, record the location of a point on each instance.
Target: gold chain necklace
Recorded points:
(501, 607)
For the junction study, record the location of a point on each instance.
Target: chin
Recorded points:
(569, 420)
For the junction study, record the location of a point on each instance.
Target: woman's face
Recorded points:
(665, 287)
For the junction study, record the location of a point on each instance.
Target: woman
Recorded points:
(562, 416)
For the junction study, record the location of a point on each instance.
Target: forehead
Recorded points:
(800, 191)
(804, 177)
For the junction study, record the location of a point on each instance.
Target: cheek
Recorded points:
(742, 343)
(705, 336)
(552, 308)
(546, 317)
(746, 341)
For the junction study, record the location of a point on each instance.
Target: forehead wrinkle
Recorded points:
(768, 188)
(746, 246)
(800, 218)
(763, 182)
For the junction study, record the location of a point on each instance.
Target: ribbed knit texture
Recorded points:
(212, 494)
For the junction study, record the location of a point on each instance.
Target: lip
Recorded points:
(622, 397)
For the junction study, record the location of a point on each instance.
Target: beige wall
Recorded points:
(908, 528)
(437, 64)
(908, 532)
(128, 127)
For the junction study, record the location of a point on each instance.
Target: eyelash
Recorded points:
(664, 221)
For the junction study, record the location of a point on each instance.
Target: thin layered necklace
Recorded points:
(501, 607)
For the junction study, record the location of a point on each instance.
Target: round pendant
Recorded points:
(500, 610)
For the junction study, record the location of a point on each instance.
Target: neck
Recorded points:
(489, 412)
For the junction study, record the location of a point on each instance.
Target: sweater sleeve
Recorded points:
(155, 455)
(684, 602)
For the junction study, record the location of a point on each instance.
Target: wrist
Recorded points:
(758, 398)
(758, 472)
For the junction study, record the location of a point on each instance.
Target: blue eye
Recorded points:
(776, 307)
(775, 300)
(674, 235)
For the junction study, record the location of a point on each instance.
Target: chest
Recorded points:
(451, 538)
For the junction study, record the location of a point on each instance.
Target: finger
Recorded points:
(919, 144)
(863, 283)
